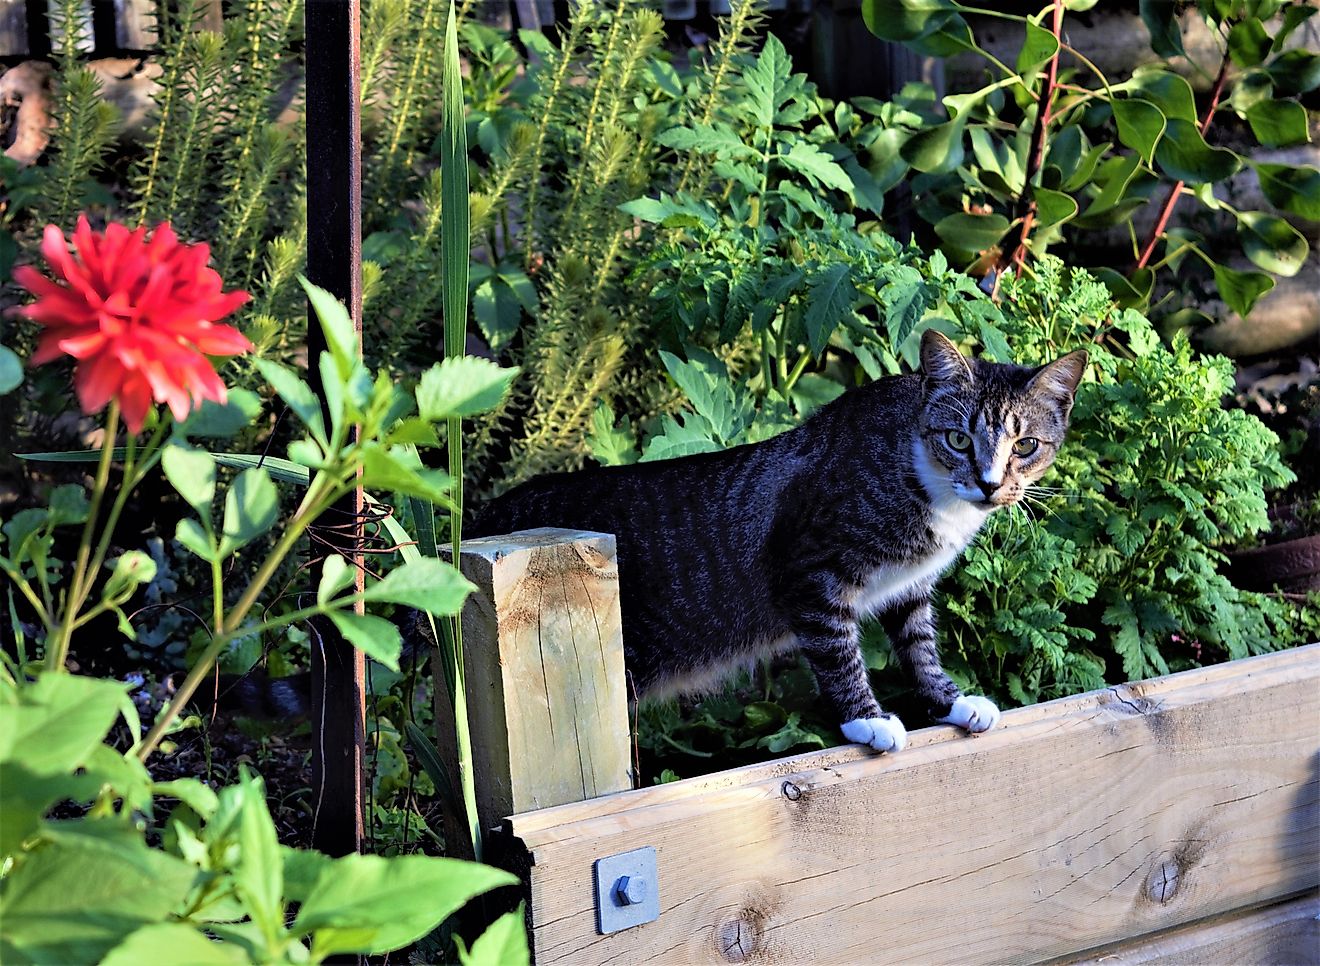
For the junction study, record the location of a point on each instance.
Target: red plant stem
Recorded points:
(1171, 202)
(1036, 153)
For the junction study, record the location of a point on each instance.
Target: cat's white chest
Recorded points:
(954, 526)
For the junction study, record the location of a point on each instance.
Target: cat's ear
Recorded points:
(940, 359)
(1058, 380)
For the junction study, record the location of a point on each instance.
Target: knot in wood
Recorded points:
(791, 791)
(1163, 882)
(738, 938)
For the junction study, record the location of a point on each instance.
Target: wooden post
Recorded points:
(334, 262)
(13, 30)
(546, 693)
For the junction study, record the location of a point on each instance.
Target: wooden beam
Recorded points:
(543, 655)
(1073, 824)
(1284, 934)
(334, 262)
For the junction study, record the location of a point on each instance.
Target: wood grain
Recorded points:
(1285, 934)
(543, 653)
(1074, 824)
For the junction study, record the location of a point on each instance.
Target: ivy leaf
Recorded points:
(830, 299)
(1248, 43)
(1295, 71)
(974, 233)
(1184, 156)
(1140, 125)
(903, 20)
(1053, 207)
(1161, 19)
(1295, 189)
(1272, 243)
(1037, 48)
(1278, 124)
(1168, 91)
(938, 149)
(1240, 290)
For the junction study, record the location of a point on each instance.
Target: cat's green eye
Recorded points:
(1026, 446)
(958, 440)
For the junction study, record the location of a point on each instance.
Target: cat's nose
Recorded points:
(988, 487)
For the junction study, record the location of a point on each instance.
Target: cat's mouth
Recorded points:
(978, 497)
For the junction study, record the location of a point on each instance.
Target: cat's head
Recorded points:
(989, 431)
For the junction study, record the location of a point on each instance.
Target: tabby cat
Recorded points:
(728, 557)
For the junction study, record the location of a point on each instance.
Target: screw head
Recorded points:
(630, 890)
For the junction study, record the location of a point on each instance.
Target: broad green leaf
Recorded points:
(68, 505)
(1248, 43)
(429, 758)
(11, 370)
(1140, 125)
(387, 471)
(1272, 243)
(173, 942)
(251, 508)
(1183, 155)
(1240, 290)
(1168, 91)
(811, 391)
(707, 139)
(340, 337)
(704, 381)
(903, 20)
(1161, 19)
(1081, 175)
(427, 584)
(190, 533)
(1131, 292)
(58, 721)
(612, 443)
(221, 421)
(904, 300)
(831, 297)
(191, 472)
(1295, 71)
(197, 796)
(938, 149)
(302, 868)
(26, 797)
(1294, 15)
(336, 574)
(259, 876)
(462, 386)
(1278, 124)
(497, 324)
(1295, 189)
(1037, 48)
(680, 438)
(972, 233)
(504, 943)
(373, 636)
(1053, 207)
(810, 160)
(74, 901)
(297, 395)
(396, 901)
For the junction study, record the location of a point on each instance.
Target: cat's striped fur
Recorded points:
(725, 557)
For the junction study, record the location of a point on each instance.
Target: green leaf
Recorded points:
(221, 421)
(11, 370)
(1295, 189)
(385, 470)
(504, 943)
(1038, 47)
(1278, 124)
(173, 942)
(429, 758)
(1131, 292)
(462, 386)
(1161, 19)
(191, 472)
(1295, 71)
(612, 443)
(251, 508)
(938, 149)
(831, 297)
(811, 391)
(190, 533)
(1294, 15)
(1272, 243)
(297, 395)
(373, 636)
(340, 337)
(810, 160)
(336, 574)
(57, 723)
(1183, 155)
(1140, 125)
(456, 219)
(26, 797)
(1053, 207)
(1240, 290)
(68, 505)
(707, 139)
(427, 584)
(972, 233)
(903, 20)
(1248, 43)
(391, 902)
(1168, 91)
(259, 876)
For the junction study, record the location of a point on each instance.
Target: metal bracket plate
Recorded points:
(627, 889)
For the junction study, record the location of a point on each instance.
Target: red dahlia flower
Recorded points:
(137, 314)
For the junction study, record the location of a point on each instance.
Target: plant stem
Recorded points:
(1176, 192)
(58, 651)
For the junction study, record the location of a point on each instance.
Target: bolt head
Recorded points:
(630, 890)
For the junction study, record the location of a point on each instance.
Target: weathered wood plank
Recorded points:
(1074, 824)
(13, 30)
(1286, 934)
(135, 24)
(543, 654)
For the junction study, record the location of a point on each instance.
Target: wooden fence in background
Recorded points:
(1173, 820)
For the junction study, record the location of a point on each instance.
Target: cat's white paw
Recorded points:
(974, 713)
(882, 734)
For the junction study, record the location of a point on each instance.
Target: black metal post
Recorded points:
(334, 262)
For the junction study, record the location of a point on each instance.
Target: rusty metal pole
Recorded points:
(334, 262)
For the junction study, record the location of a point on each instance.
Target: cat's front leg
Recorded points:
(910, 623)
(827, 633)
